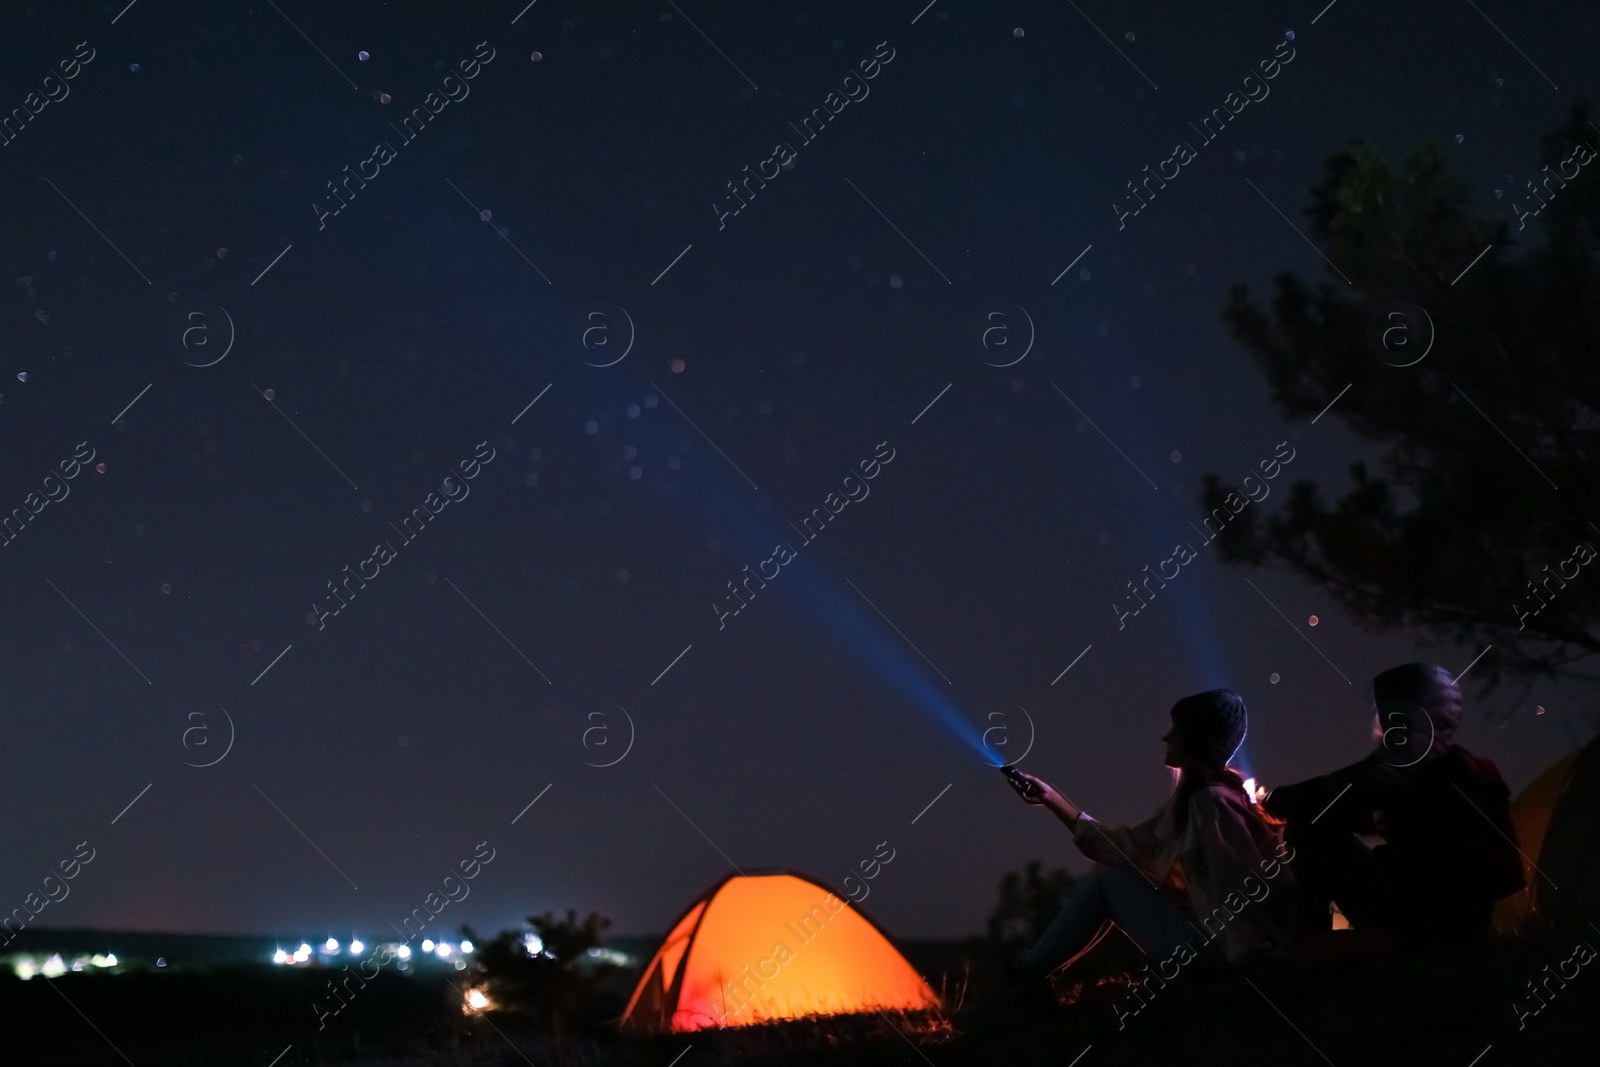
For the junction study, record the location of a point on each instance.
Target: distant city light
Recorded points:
(280, 956)
(466, 947)
(357, 947)
(26, 967)
(532, 944)
(331, 945)
(404, 952)
(477, 1000)
(444, 950)
(427, 946)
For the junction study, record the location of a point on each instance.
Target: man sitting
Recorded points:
(1449, 847)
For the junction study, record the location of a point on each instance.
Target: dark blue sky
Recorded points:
(775, 355)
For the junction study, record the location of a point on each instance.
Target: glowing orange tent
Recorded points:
(756, 948)
(1558, 824)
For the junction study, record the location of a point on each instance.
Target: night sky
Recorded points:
(819, 349)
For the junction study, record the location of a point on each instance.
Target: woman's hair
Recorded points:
(1212, 726)
(1193, 779)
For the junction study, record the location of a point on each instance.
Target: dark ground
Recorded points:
(1366, 1006)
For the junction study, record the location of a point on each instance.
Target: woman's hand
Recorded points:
(1030, 789)
(1037, 791)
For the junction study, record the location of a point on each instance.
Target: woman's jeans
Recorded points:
(1124, 897)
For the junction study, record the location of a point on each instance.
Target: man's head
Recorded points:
(1400, 693)
(1209, 727)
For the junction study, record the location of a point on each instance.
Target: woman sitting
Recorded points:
(1187, 886)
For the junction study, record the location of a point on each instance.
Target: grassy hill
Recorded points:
(1370, 1006)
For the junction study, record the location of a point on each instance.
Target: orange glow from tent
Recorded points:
(1530, 816)
(677, 942)
(772, 947)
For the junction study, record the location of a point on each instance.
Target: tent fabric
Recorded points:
(1557, 819)
(758, 948)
